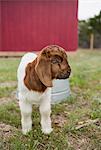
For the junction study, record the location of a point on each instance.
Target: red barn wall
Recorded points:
(0, 29)
(30, 25)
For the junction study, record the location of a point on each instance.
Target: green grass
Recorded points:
(6, 91)
(8, 67)
(83, 104)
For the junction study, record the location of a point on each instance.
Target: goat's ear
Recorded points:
(43, 70)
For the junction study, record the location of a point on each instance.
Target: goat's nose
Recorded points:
(69, 71)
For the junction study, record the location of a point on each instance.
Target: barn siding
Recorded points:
(32, 25)
(0, 29)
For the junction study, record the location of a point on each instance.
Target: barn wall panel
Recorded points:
(31, 25)
(0, 29)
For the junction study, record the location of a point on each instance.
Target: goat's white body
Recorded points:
(24, 93)
(27, 98)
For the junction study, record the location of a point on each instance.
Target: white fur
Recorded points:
(27, 98)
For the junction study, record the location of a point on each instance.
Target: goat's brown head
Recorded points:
(51, 64)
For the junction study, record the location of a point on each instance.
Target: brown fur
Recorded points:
(51, 63)
(31, 79)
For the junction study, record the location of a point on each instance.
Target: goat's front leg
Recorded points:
(26, 121)
(45, 111)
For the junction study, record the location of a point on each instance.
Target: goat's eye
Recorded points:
(56, 59)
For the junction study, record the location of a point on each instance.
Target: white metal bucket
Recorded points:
(60, 90)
